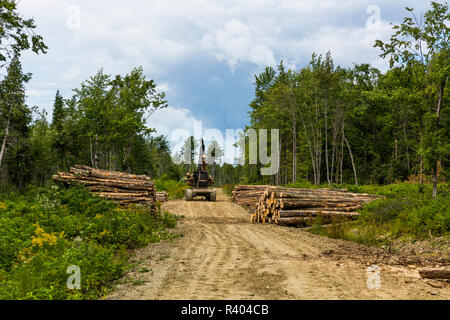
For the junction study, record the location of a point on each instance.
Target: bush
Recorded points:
(228, 189)
(174, 189)
(406, 212)
(44, 231)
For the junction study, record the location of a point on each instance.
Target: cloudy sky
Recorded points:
(203, 54)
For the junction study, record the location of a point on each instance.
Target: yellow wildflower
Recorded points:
(43, 238)
(103, 233)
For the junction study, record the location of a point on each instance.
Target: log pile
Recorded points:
(295, 206)
(248, 196)
(162, 196)
(122, 188)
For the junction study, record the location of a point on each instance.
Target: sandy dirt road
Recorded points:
(221, 255)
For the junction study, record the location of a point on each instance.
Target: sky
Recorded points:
(203, 54)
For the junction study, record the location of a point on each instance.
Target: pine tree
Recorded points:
(15, 118)
(59, 136)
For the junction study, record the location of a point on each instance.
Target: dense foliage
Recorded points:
(360, 125)
(338, 127)
(406, 213)
(47, 230)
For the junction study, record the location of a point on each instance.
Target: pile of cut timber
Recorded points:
(162, 196)
(248, 196)
(122, 188)
(294, 206)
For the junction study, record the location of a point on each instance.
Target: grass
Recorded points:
(228, 189)
(45, 231)
(174, 189)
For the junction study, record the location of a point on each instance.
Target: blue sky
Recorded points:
(203, 54)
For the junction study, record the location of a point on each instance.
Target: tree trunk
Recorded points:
(294, 149)
(333, 153)
(342, 156)
(435, 273)
(406, 145)
(5, 139)
(96, 158)
(351, 157)
(326, 143)
(438, 124)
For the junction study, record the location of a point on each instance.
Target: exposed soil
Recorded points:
(221, 255)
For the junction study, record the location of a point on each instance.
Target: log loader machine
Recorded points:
(200, 181)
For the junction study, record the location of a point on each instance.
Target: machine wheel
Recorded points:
(189, 195)
(212, 196)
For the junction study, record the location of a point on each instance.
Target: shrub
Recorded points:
(174, 189)
(228, 189)
(45, 231)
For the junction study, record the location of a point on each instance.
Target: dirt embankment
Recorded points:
(221, 255)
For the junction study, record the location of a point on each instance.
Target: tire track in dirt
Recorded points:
(221, 255)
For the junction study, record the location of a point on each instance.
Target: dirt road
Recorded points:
(221, 255)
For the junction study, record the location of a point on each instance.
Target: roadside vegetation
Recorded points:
(228, 189)
(407, 213)
(46, 230)
(175, 189)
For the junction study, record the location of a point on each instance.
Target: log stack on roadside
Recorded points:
(248, 195)
(162, 196)
(122, 188)
(295, 206)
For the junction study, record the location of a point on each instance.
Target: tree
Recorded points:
(14, 114)
(136, 100)
(16, 33)
(41, 142)
(59, 141)
(188, 153)
(214, 154)
(424, 43)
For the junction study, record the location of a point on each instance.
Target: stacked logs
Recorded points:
(247, 195)
(122, 188)
(162, 196)
(294, 206)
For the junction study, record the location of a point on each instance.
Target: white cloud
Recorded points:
(164, 36)
(347, 45)
(169, 119)
(70, 74)
(40, 93)
(163, 87)
(236, 43)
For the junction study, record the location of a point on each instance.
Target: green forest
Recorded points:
(385, 132)
(337, 125)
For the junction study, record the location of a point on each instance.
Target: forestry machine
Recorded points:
(200, 181)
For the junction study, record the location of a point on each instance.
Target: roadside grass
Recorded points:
(174, 189)
(46, 230)
(406, 213)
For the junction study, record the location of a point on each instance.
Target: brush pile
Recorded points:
(294, 206)
(122, 188)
